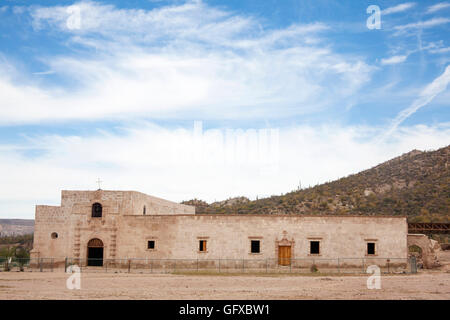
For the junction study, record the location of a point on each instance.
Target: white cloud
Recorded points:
(171, 164)
(440, 50)
(188, 61)
(188, 58)
(422, 24)
(394, 60)
(436, 87)
(437, 7)
(398, 8)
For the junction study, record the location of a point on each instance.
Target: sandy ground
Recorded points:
(47, 285)
(52, 285)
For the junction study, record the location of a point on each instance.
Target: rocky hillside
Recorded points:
(15, 227)
(416, 184)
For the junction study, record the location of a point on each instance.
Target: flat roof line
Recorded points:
(262, 214)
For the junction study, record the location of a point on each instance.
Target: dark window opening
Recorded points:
(54, 235)
(151, 244)
(314, 247)
(202, 245)
(255, 246)
(370, 248)
(143, 211)
(96, 210)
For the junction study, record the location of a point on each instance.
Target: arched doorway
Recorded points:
(95, 252)
(420, 244)
(416, 251)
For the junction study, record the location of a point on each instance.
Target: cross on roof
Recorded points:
(99, 182)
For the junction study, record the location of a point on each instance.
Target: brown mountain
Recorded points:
(16, 227)
(416, 184)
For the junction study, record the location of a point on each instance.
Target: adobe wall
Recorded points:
(156, 206)
(74, 225)
(48, 220)
(121, 202)
(124, 231)
(228, 236)
(428, 255)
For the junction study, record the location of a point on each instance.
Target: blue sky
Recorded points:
(113, 89)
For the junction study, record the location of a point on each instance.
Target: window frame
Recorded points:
(154, 244)
(374, 248)
(204, 248)
(259, 246)
(94, 214)
(318, 241)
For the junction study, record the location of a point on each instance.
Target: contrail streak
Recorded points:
(426, 96)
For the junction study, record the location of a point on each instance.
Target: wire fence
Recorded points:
(28, 264)
(135, 265)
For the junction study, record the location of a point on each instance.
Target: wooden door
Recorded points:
(284, 255)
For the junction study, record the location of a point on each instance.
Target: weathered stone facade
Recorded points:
(174, 231)
(427, 257)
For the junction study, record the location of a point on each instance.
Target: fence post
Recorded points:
(339, 267)
(243, 265)
(40, 264)
(129, 265)
(51, 264)
(65, 265)
(219, 265)
(388, 260)
(413, 263)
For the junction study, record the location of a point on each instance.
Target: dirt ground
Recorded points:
(47, 285)
(426, 284)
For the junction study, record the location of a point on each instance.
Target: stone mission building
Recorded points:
(103, 224)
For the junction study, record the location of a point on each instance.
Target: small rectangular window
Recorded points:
(255, 246)
(314, 247)
(370, 248)
(151, 244)
(202, 245)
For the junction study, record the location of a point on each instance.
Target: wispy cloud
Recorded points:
(436, 87)
(437, 7)
(191, 60)
(440, 50)
(398, 8)
(181, 60)
(44, 72)
(394, 60)
(423, 24)
(168, 159)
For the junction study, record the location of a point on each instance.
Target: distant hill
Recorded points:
(15, 227)
(415, 184)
